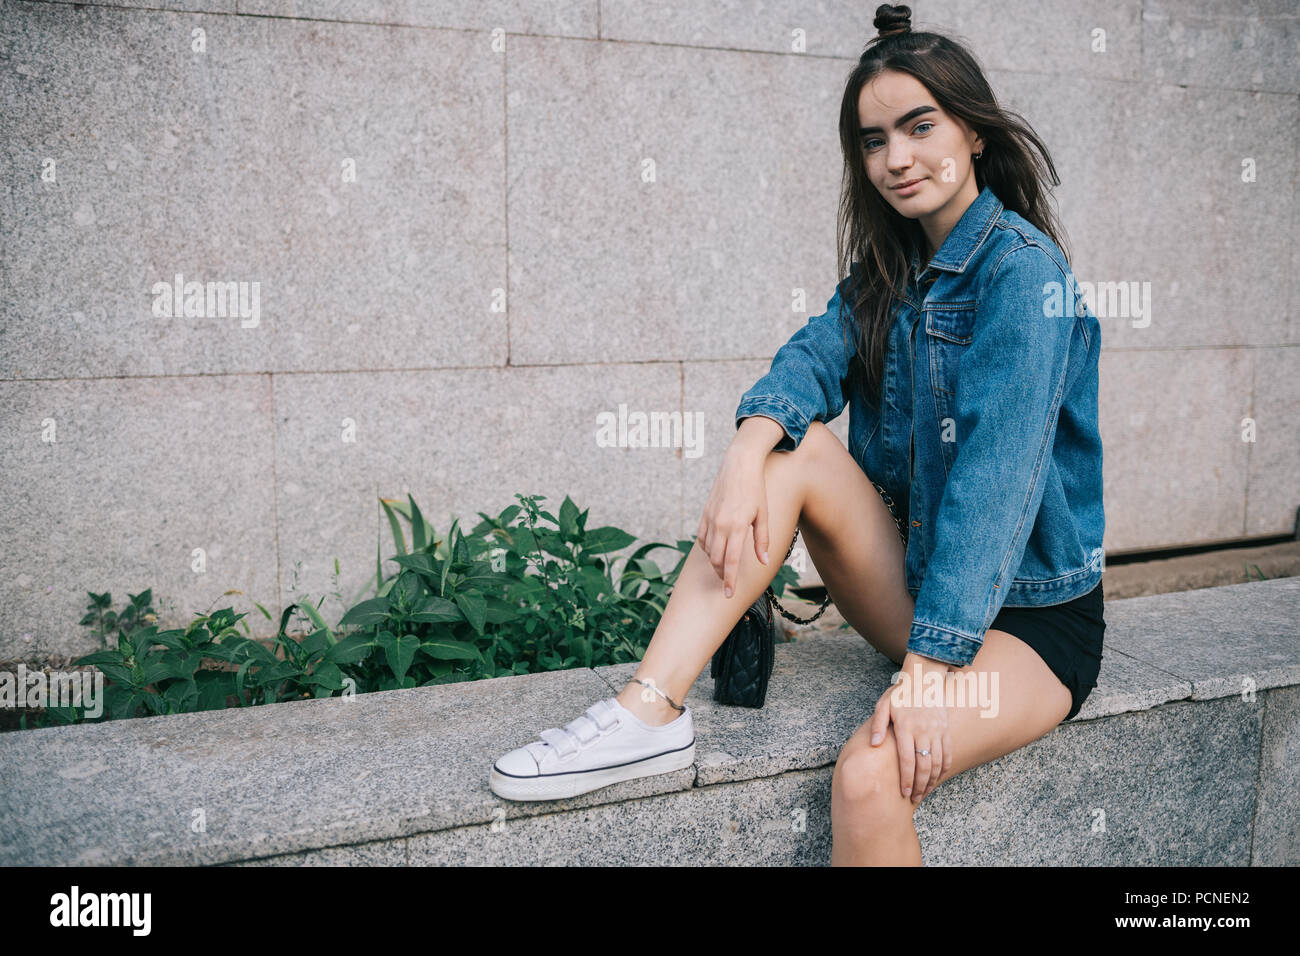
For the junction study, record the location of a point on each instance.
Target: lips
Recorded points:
(910, 182)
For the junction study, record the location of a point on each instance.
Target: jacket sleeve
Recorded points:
(807, 380)
(1010, 382)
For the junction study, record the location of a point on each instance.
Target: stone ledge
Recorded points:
(402, 775)
(1075, 797)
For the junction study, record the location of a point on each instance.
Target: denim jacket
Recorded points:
(986, 437)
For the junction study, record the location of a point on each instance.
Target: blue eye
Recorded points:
(875, 139)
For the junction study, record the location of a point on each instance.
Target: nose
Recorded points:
(898, 155)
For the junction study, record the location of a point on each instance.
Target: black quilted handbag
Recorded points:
(743, 664)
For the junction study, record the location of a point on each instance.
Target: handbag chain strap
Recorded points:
(771, 596)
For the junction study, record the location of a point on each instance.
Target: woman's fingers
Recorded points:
(922, 776)
(880, 720)
(735, 544)
(925, 766)
(907, 759)
(760, 530)
(936, 767)
(717, 549)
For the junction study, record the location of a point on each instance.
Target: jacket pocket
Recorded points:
(949, 329)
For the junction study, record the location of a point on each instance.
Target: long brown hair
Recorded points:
(874, 242)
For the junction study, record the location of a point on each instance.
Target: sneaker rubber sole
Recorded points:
(561, 784)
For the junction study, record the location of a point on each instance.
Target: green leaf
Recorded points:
(351, 650)
(448, 650)
(366, 613)
(101, 657)
(605, 540)
(239, 679)
(276, 672)
(214, 687)
(474, 607)
(314, 643)
(155, 671)
(399, 651)
(407, 590)
(446, 567)
(398, 539)
(437, 610)
(327, 677)
(284, 618)
(421, 562)
(245, 649)
(122, 702)
(499, 611)
(568, 519)
(182, 696)
(593, 582)
(117, 673)
(459, 549)
(481, 579)
(528, 589)
(419, 535)
(319, 621)
(188, 663)
(64, 715)
(174, 640)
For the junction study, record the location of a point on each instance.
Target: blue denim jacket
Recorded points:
(986, 438)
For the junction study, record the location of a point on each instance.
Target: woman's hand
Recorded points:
(919, 724)
(737, 501)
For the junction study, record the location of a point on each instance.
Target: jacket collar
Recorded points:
(965, 237)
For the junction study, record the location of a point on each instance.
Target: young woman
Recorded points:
(969, 363)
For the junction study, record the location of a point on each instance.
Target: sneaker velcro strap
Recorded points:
(561, 741)
(584, 728)
(606, 710)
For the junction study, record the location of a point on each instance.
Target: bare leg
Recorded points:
(871, 820)
(699, 616)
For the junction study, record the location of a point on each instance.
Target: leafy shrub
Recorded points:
(511, 597)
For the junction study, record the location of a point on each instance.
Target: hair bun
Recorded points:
(891, 20)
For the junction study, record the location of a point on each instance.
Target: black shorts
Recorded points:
(1066, 636)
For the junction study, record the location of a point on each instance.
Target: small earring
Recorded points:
(979, 154)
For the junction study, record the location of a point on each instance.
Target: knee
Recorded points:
(819, 443)
(867, 776)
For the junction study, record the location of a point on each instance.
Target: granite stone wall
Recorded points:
(435, 241)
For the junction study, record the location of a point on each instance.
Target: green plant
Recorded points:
(1261, 574)
(513, 596)
(100, 615)
(159, 671)
(510, 597)
(162, 672)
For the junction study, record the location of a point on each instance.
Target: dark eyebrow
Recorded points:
(901, 121)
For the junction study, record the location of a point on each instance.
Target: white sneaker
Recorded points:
(608, 743)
